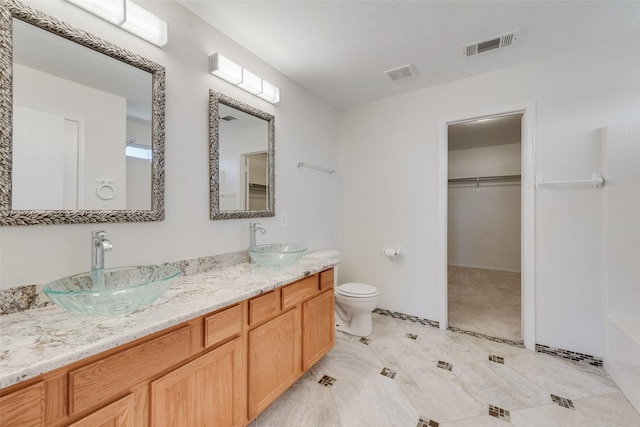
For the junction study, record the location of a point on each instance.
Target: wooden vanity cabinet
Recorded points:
(24, 407)
(218, 370)
(206, 392)
(317, 328)
(274, 359)
(106, 378)
(300, 331)
(118, 414)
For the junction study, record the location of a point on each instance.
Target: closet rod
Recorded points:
(485, 178)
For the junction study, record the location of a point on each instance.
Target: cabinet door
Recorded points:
(317, 328)
(24, 407)
(117, 414)
(274, 359)
(204, 392)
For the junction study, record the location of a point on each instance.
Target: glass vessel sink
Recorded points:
(276, 255)
(112, 292)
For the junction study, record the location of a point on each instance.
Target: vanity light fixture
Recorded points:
(109, 10)
(223, 67)
(144, 24)
(128, 16)
(270, 92)
(250, 82)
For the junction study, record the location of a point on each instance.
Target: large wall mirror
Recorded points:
(241, 154)
(82, 126)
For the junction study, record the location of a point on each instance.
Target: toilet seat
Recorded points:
(357, 290)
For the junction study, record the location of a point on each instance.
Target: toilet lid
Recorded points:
(357, 290)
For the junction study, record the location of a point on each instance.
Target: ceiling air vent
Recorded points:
(496, 42)
(228, 118)
(405, 72)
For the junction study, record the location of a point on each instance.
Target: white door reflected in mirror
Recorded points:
(45, 160)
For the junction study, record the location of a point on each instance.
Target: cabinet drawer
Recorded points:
(263, 307)
(24, 407)
(117, 414)
(108, 377)
(299, 291)
(326, 279)
(222, 325)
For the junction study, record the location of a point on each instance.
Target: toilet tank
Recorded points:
(327, 253)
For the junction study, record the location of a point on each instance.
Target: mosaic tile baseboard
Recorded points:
(21, 298)
(570, 355)
(408, 317)
(565, 354)
(487, 337)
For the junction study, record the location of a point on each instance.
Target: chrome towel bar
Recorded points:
(597, 181)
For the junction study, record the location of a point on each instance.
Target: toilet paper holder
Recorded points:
(391, 252)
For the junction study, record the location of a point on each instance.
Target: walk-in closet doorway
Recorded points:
(484, 226)
(486, 217)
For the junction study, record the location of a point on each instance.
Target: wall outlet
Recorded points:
(283, 219)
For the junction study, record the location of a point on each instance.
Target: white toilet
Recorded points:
(354, 302)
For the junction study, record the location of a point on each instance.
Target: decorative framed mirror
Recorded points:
(241, 159)
(81, 125)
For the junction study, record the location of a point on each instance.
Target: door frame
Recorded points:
(244, 177)
(527, 209)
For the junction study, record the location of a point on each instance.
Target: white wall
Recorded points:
(485, 161)
(484, 225)
(102, 130)
(622, 220)
(388, 155)
(139, 170)
(305, 130)
(138, 183)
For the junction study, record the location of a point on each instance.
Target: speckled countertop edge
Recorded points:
(38, 341)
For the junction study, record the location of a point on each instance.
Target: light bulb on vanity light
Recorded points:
(128, 16)
(270, 92)
(226, 69)
(250, 82)
(110, 10)
(145, 25)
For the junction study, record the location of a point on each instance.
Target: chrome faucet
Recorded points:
(253, 227)
(99, 245)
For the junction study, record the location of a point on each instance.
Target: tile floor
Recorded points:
(485, 301)
(407, 374)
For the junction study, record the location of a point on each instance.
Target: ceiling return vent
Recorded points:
(228, 118)
(405, 72)
(496, 42)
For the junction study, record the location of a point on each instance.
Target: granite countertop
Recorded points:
(37, 341)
